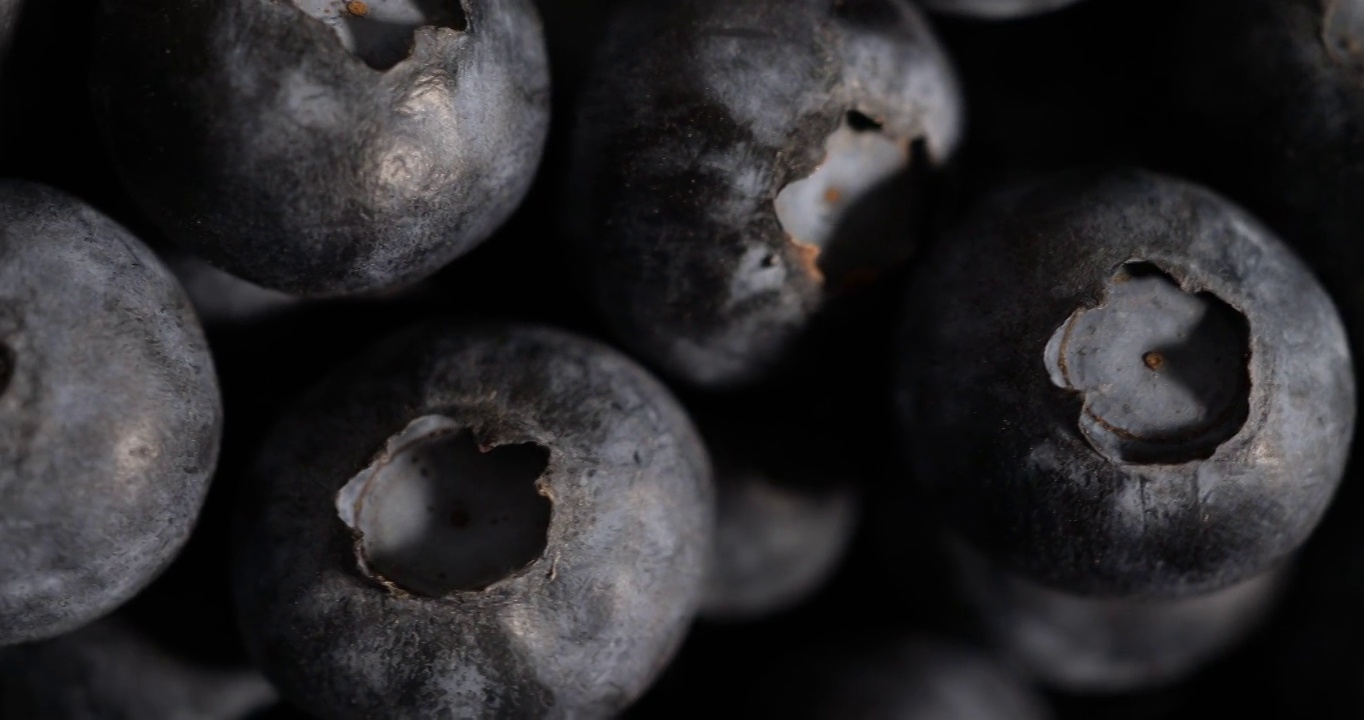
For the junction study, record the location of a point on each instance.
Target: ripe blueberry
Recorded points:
(475, 522)
(724, 197)
(324, 147)
(1120, 383)
(109, 414)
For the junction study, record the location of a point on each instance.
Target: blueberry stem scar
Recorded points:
(380, 32)
(438, 513)
(858, 159)
(1190, 391)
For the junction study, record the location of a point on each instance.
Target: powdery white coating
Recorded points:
(680, 165)
(109, 421)
(995, 9)
(262, 144)
(774, 545)
(810, 209)
(1162, 371)
(579, 632)
(436, 513)
(998, 444)
(381, 31)
(1112, 645)
(110, 670)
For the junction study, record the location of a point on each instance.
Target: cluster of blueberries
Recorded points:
(790, 358)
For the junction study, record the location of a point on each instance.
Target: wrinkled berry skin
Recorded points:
(252, 136)
(1112, 645)
(578, 632)
(1281, 91)
(995, 9)
(109, 414)
(699, 114)
(108, 670)
(1014, 459)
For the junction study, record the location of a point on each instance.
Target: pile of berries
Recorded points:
(949, 359)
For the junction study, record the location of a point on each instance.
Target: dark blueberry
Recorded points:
(908, 679)
(774, 544)
(737, 163)
(1120, 383)
(475, 522)
(1109, 645)
(324, 147)
(109, 414)
(110, 671)
(995, 9)
(1282, 92)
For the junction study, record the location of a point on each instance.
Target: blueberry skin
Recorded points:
(248, 133)
(697, 117)
(995, 9)
(1111, 645)
(1012, 457)
(580, 631)
(1280, 91)
(774, 544)
(109, 414)
(109, 671)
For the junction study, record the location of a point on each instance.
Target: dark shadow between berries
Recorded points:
(439, 513)
(382, 32)
(1164, 373)
(6, 367)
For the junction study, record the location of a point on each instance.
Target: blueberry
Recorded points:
(501, 521)
(110, 670)
(1281, 94)
(1120, 383)
(915, 678)
(109, 414)
(1110, 645)
(713, 191)
(324, 148)
(775, 544)
(995, 9)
